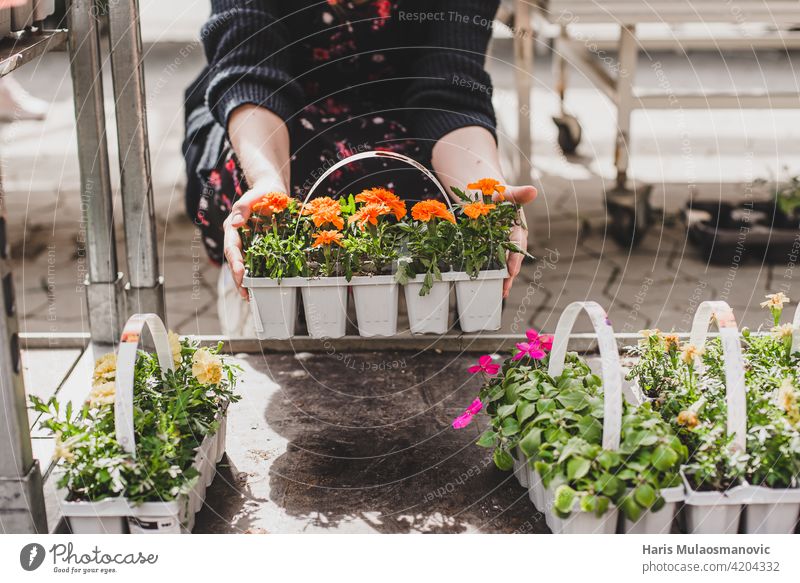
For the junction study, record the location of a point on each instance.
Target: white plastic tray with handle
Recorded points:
(611, 373)
(718, 512)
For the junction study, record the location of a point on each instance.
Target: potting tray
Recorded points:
(739, 231)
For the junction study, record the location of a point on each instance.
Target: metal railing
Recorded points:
(109, 297)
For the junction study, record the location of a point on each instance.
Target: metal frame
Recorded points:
(620, 89)
(22, 507)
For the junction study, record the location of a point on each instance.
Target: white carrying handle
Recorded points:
(378, 154)
(609, 362)
(735, 396)
(126, 361)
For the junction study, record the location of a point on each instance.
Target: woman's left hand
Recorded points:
(521, 195)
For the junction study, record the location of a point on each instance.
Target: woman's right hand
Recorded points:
(240, 214)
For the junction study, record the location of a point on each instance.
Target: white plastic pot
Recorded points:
(160, 518)
(536, 489)
(274, 306)
(479, 300)
(376, 304)
(22, 16)
(714, 512)
(771, 510)
(659, 522)
(428, 314)
(104, 517)
(521, 467)
(579, 522)
(325, 305)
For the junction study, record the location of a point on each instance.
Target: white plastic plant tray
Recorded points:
(119, 515)
(274, 305)
(376, 298)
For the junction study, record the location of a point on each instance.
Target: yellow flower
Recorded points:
(647, 333)
(206, 367)
(690, 353)
(175, 347)
(775, 300)
(105, 368)
(783, 331)
(102, 394)
(63, 449)
(688, 419)
(787, 398)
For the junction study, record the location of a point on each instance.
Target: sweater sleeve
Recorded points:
(246, 46)
(450, 87)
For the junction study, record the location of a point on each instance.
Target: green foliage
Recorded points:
(557, 423)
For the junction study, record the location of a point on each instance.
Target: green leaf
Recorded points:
(590, 429)
(608, 484)
(487, 438)
(504, 411)
(631, 509)
(503, 460)
(525, 411)
(510, 427)
(664, 458)
(564, 500)
(589, 503)
(575, 400)
(645, 495)
(531, 442)
(544, 405)
(577, 468)
(609, 459)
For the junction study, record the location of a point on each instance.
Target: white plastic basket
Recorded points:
(479, 300)
(118, 515)
(611, 372)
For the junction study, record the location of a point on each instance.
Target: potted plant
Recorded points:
(370, 254)
(484, 229)
(429, 240)
(275, 262)
(325, 292)
(137, 455)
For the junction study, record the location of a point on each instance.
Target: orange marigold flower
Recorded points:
(272, 202)
(428, 209)
(383, 196)
(488, 186)
(369, 213)
(327, 238)
(478, 209)
(324, 210)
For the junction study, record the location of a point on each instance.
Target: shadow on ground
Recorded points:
(370, 449)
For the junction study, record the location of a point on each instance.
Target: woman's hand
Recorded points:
(240, 214)
(521, 195)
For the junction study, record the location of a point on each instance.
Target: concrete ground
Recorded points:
(318, 443)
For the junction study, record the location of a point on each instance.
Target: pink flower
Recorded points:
(545, 340)
(530, 349)
(466, 417)
(485, 365)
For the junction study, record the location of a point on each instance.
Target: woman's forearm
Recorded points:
(466, 155)
(261, 142)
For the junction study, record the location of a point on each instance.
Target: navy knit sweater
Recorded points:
(431, 69)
